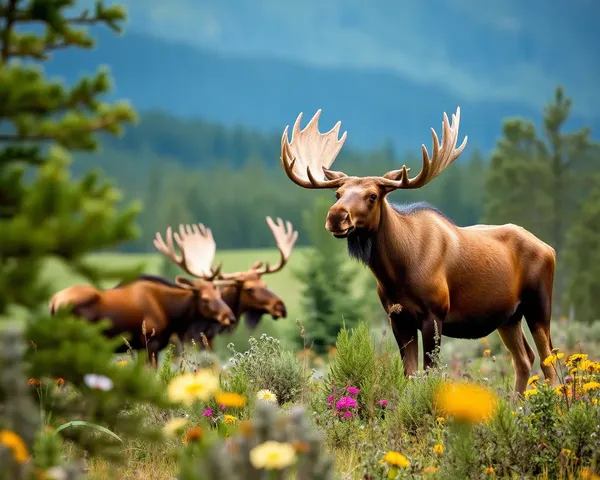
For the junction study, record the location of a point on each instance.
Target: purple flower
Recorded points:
(345, 402)
(353, 390)
(207, 413)
(382, 403)
(347, 414)
(568, 379)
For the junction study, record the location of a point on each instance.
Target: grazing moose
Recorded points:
(432, 276)
(163, 307)
(248, 295)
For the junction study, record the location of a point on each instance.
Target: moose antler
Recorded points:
(197, 247)
(308, 156)
(285, 238)
(443, 155)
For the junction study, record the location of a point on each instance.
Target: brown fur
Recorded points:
(433, 276)
(165, 308)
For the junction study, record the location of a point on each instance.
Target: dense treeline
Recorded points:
(230, 179)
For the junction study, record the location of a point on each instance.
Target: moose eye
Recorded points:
(337, 195)
(250, 291)
(373, 197)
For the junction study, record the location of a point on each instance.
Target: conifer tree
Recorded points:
(43, 212)
(536, 181)
(583, 257)
(328, 300)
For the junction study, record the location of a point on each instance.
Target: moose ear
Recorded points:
(184, 282)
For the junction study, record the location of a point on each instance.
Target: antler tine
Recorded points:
(285, 238)
(198, 250)
(442, 156)
(168, 249)
(308, 156)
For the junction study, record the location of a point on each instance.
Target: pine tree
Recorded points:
(42, 120)
(535, 181)
(45, 213)
(583, 257)
(328, 278)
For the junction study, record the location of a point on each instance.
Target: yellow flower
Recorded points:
(122, 363)
(466, 402)
(487, 352)
(438, 448)
(533, 380)
(566, 452)
(588, 474)
(589, 386)
(229, 419)
(587, 366)
(230, 399)
(272, 455)
(488, 470)
(552, 359)
(174, 425)
(529, 393)
(189, 387)
(267, 396)
(440, 420)
(484, 340)
(15, 443)
(576, 358)
(396, 459)
(562, 389)
(428, 470)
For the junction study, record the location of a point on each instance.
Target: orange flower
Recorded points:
(16, 444)
(487, 352)
(428, 470)
(300, 446)
(34, 382)
(60, 381)
(192, 434)
(230, 399)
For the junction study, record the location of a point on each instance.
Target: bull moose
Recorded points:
(245, 292)
(432, 275)
(161, 307)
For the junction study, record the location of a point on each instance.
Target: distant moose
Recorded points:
(151, 308)
(432, 276)
(245, 292)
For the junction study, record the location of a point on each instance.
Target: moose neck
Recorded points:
(232, 297)
(387, 251)
(180, 304)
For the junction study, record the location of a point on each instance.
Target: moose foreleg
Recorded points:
(405, 332)
(431, 330)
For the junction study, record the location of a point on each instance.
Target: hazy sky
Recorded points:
(508, 50)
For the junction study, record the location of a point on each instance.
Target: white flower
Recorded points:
(98, 382)
(267, 396)
(56, 473)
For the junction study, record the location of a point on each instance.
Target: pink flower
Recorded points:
(222, 407)
(347, 414)
(207, 413)
(353, 390)
(382, 403)
(345, 402)
(329, 401)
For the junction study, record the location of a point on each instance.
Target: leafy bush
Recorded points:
(266, 366)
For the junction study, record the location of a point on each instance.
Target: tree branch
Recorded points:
(10, 20)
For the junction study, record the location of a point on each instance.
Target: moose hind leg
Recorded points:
(537, 315)
(514, 339)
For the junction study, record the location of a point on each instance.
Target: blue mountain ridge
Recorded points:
(265, 93)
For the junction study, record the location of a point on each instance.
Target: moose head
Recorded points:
(358, 209)
(197, 254)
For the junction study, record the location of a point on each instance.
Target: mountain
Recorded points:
(267, 93)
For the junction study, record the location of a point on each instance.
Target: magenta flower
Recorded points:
(345, 402)
(382, 403)
(347, 414)
(222, 407)
(329, 401)
(207, 413)
(353, 390)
